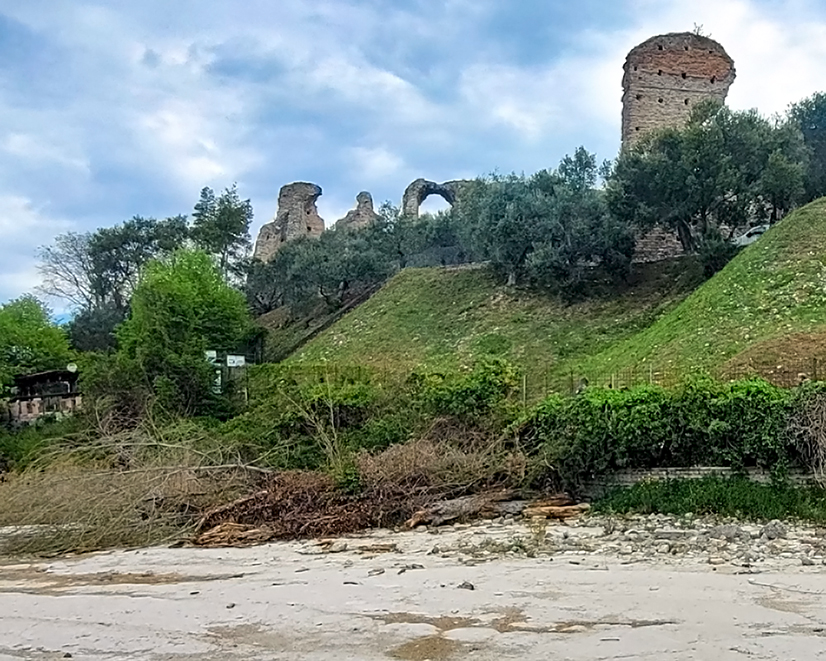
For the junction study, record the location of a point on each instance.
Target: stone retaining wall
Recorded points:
(627, 478)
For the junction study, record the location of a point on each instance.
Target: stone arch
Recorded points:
(419, 190)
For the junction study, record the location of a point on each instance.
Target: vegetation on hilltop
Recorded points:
(774, 288)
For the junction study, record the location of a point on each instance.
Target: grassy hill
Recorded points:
(448, 318)
(765, 312)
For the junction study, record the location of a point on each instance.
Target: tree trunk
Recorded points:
(686, 236)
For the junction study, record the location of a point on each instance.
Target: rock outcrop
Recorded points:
(666, 76)
(297, 216)
(363, 215)
(421, 189)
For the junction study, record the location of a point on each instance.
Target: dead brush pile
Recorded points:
(139, 487)
(305, 504)
(448, 462)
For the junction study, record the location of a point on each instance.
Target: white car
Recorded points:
(751, 235)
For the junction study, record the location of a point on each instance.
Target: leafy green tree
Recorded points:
(29, 340)
(553, 226)
(93, 329)
(809, 115)
(119, 253)
(723, 169)
(101, 268)
(220, 226)
(505, 216)
(97, 271)
(181, 307)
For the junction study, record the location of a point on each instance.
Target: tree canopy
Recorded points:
(809, 115)
(181, 307)
(551, 227)
(220, 227)
(29, 340)
(724, 169)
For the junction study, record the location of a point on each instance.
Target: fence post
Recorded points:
(524, 390)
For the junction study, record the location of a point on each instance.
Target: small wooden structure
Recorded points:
(54, 393)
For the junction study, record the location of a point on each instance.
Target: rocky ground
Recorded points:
(593, 588)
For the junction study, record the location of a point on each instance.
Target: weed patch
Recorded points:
(731, 497)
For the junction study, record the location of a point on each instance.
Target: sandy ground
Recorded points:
(394, 596)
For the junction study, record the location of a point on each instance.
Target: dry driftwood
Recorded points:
(221, 513)
(234, 534)
(491, 505)
(486, 505)
(555, 511)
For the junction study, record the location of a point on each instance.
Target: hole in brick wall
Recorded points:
(659, 46)
(686, 102)
(659, 100)
(636, 128)
(686, 47)
(639, 96)
(635, 67)
(660, 72)
(685, 75)
(714, 79)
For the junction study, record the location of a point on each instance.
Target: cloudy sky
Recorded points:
(115, 108)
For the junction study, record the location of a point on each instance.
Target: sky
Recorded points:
(129, 107)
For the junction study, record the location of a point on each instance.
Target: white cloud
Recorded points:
(35, 149)
(23, 227)
(375, 164)
(19, 217)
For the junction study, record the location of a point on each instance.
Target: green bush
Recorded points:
(293, 413)
(475, 394)
(739, 425)
(736, 497)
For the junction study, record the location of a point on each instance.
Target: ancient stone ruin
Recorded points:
(362, 216)
(297, 216)
(418, 191)
(666, 76)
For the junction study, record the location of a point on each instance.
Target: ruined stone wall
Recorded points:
(296, 216)
(603, 485)
(362, 216)
(666, 76)
(656, 245)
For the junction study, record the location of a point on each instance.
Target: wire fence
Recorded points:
(536, 384)
(784, 373)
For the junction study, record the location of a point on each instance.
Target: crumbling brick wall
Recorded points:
(666, 76)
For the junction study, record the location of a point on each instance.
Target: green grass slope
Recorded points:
(448, 318)
(758, 305)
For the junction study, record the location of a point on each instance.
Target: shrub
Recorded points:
(739, 425)
(475, 394)
(736, 497)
